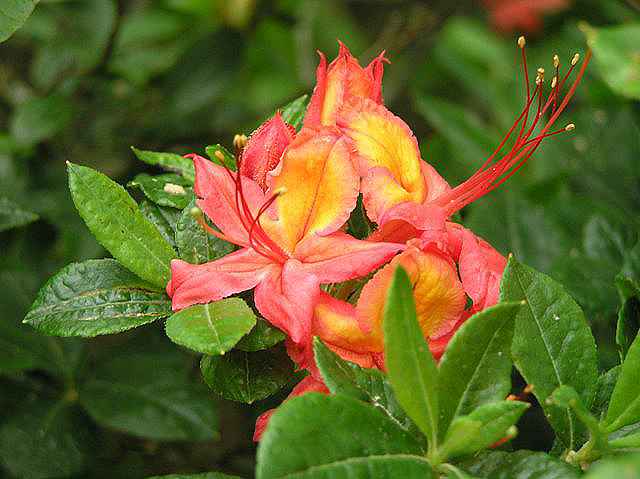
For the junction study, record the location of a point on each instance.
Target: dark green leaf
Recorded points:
(229, 158)
(12, 216)
(13, 14)
(616, 51)
(169, 161)
(485, 425)
(195, 245)
(95, 297)
(163, 218)
(154, 395)
(604, 389)
(519, 465)
(262, 336)
(316, 436)
(476, 366)
(40, 118)
(293, 112)
(410, 366)
(212, 328)
(165, 190)
(204, 475)
(21, 348)
(369, 385)
(624, 467)
(624, 407)
(247, 377)
(40, 441)
(552, 343)
(567, 397)
(359, 225)
(628, 325)
(117, 223)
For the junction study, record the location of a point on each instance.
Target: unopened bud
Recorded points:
(521, 41)
(575, 59)
(173, 189)
(556, 61)
(570, 126)
(218, 154)
(240, 141)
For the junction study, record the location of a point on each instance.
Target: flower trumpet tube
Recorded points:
(289, 235)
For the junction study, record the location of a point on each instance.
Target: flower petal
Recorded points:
(320, 184)
(387, 155)
(265, 148)
(196, 284)
(217, 191)
(286, 298)
(340, 257)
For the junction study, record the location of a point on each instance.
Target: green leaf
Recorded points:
(163, 218)
(117, 223)
(317, 436)
(359, 224)
(604, 390)
(38, 119)
(195, 245)
(229, 158)
(169, 161)
(12, 216)
(452, 472)
(552, 343)
(519, 465)
(155, 397)
(95, 297)
(212, 328)
(293, 112)
(349, 379)
(617, 55)
(247, 377)
(629, 442)
(486, 425)
(262, 336)
(168, 189)
(13, 14)
(624, 407)
(39, 440)
(623, 467)
(410, 366)
(628, 325)
(567, 397)
(204, 475)
(21, 348)
(476, 366)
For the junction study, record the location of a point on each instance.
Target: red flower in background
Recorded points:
(523, 15)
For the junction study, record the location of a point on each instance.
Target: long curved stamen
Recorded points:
(495, 172)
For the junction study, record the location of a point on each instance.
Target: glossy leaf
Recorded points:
(624, 407)
(195, 245)
(293, 112)
(476, 366)
(483, 427)
(163, 218)
(117, 223)
(411, 368)
(349, 379)
(168, 161)
(155, 397)
(13, 14)
(262, 336)
(247, 377)
(13, 216)
(552, 343)
(165, 190)
(305, 440)
(519, 465)
(615, 50)
(95, 297)
(212, 328)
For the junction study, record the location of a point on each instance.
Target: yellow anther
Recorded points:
(570, 126)
(219, 155)
(240, 141)
(554, 81)
(575, 59)
(556, 61)
(521, 41)
(540, 71)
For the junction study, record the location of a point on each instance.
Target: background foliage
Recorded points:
(83, 80)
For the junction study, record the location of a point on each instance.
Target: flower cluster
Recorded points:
(287, 205)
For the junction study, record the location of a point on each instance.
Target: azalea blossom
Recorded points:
(289, 235)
